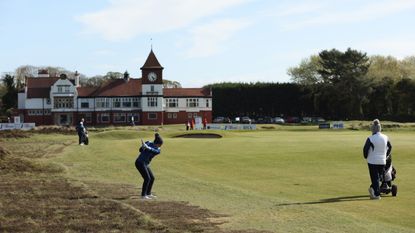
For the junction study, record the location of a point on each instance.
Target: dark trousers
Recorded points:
(376, 173)
(80, 135)
(148, 177)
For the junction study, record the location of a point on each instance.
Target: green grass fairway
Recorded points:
(276, 180)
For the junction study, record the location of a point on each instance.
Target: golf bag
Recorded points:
(389, 175)
(85, 138)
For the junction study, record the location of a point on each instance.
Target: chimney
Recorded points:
(126, 76)
(43, 73)
(77, 79)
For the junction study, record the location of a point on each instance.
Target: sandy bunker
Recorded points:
(199, 135)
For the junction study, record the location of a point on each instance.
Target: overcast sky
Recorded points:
(198, 41)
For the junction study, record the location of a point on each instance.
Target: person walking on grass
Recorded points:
(80, 128)
(375, 150)
(148, 151)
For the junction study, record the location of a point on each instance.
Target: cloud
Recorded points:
(300, 8)
(210, 39)
(126, 19)
(343, 13)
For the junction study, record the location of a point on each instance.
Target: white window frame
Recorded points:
(136, 102)
(103, 103)
(192, 102)
(152, 114)
(152, 101)
(119, 117)
(87, 104)
(63, 102)
(172, 102)
(115, 102)
(126, 102)
(101, 115)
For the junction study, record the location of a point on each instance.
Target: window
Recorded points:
(136, 103)
(63, 102)
(119, 117)
(192, 103)
(172, 115)
(36, 112)
(88, 117)
(104, 117)
(172, 103)
(103, 103)
(194, 114)
(152, 116)
(48, 101)
(64, 88)
(46, 112)
(116, 102)
(126, 102)
(85, 105)
(207, 103)
(152, 101)
(152, 91)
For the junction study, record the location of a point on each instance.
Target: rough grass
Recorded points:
(37, 196)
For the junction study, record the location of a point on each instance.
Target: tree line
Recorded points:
(333, 84)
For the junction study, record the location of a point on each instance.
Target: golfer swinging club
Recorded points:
(148, 151)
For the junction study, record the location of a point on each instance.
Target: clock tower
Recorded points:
(152, 71)
(152, 91)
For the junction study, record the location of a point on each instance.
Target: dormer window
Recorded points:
(64, 88)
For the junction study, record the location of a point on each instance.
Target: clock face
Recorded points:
(152, 76)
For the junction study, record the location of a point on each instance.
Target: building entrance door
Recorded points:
(63, 119)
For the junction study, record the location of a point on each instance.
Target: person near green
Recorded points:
(375, 151)
(148, 151)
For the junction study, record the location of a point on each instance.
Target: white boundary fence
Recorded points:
(20, 126)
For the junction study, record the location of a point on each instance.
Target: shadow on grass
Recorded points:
(331, 200)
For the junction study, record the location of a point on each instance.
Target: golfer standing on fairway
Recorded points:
(147, 152)
(376, 148)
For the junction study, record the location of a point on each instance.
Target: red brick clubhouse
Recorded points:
(60, 101)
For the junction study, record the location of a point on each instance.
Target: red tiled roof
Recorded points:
(117, 87)
(151, 62)
(86, 91)
(39, 87)
(186, 92)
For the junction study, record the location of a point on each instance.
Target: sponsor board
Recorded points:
(324, 126)
(338, 125)
(19, 126)
(231, 126)
(198, 123)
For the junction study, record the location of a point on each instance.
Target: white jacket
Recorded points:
(378, 149)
